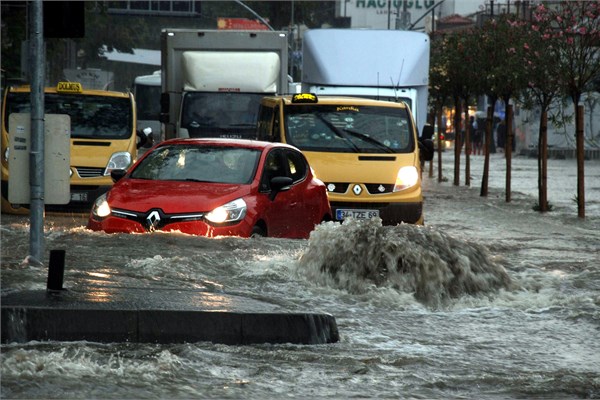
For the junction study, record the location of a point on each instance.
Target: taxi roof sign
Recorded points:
(69, 87)
(305, 98)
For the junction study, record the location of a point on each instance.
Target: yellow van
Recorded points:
(366, 151)
(103, 138)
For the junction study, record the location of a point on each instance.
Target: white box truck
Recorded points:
(380, 64)
(213, 80)
(146, 90)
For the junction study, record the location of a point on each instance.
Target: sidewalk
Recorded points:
(561, 178)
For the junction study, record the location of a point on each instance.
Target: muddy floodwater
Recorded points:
(488, 300)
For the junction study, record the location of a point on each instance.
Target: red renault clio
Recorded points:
(215, 187)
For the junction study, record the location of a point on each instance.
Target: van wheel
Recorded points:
(257, 231)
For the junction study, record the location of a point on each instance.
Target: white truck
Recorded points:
(380, 64)
(213, 80)
(146, 90)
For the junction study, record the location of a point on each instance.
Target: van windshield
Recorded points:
(347, 128)
(92, 117)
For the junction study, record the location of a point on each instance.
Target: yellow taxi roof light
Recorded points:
(305, 98)
(69, 87)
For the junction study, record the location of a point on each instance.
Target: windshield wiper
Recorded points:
(338, 132)
(369, 139)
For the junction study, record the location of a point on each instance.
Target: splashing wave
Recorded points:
(359, 255)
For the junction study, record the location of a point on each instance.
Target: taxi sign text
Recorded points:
(305, 98)
(69, 87)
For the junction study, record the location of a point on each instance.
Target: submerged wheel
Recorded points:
(258, 231)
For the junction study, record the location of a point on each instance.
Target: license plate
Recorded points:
(79, 196)
(358, 214)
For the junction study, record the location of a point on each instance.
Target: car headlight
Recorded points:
(407, 177)
(101, 208)
(230, 212)
(119, 160)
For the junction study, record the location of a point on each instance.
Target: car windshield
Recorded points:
(214, 164)
(359, 129)
(92, 117)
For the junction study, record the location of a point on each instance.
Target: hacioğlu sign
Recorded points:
(381, 14)
(395, 4)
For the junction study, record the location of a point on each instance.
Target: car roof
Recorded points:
(245, 143)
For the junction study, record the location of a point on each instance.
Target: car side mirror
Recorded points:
(280, 184)
(426, 149)
(427, 132)
(145, 138)
(117, 174)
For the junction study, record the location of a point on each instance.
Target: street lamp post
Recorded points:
(36, 156)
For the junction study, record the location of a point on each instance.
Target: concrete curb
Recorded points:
(109, 314)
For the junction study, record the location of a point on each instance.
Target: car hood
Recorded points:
(172, 196)
(356, 168)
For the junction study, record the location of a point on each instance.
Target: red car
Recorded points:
(215, 187)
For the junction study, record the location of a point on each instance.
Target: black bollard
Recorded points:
(56, 270)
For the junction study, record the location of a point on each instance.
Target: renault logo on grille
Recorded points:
(152, 220)
(357, 189)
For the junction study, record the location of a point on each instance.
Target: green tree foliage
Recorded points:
(460, 58)
(541, 50)
(439, 92)
(313, 14)
(106, 31)
(102, 32)
(439, 83)
(542, 72)
(554, 54)
(13, 34)
(577, 27)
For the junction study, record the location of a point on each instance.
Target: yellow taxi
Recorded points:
(366, 151)
(103, 137)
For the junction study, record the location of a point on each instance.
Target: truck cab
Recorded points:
(213, 80)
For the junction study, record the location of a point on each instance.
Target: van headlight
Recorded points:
(101, 209)
(407, 177)
(119, 160)
(230, 212)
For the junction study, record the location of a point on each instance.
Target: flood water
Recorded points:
(488, 300)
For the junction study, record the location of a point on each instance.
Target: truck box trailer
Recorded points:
(213, 80)
(380, 64)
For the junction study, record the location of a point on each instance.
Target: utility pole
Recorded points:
(402, 18)
(36, 156)
(389, 13)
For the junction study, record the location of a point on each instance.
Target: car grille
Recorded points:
(379, 188)
(372, 188)
(89, 172)
(156, 219)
